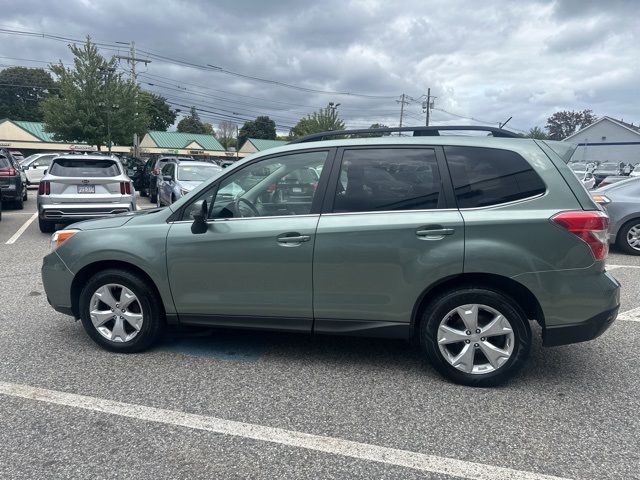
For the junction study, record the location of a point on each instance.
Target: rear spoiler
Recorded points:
(564, 150)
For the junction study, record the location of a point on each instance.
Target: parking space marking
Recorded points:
(21, 230)
(632, 315)
(331, 445)
(614, 267)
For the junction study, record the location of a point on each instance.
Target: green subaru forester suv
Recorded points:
(454, 242)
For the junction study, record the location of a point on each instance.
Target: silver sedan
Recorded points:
(622, 203)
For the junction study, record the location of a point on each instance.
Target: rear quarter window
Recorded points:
(490, 176)
(71, 167)
(4, 162)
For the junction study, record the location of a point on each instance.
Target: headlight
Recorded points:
(184, 192)
(61, 236)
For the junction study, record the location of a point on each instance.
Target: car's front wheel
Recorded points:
(629, 237)
(121, 312)
(475, 336)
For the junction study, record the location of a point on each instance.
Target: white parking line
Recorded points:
(632, 315)
(336, 446)
(21, 230)
(614, 267)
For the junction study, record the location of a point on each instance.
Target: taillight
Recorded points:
(590, 227)
(156, 172)
(125, 188)
(44, 188)
(7, 172)
(271, 188)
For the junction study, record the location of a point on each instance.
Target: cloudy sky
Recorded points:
(484, 61)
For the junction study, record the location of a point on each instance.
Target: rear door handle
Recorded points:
(293, 238)
(434, 233)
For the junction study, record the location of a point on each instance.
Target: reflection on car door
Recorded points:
(385, 237)
(252, 271)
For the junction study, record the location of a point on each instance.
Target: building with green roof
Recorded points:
(253, 145)
(179, 143)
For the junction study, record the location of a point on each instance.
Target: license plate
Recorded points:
(86, 189)
(296, 190)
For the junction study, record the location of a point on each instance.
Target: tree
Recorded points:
(262, 127)
(562, 124)
(22, 91)
(537, 133)
(323, 120)
(227, 133)
(161, 116)
(208, 129)
(93, 103)
(192, 124)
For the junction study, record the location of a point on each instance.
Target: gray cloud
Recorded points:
(487, 60)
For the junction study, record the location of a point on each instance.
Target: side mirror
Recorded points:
(167, 178)
(45, 172)
(199, 224)
(34, 166)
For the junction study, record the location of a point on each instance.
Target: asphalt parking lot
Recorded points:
(254, 405)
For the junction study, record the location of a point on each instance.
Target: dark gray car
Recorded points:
(622, 203)
(12, 180)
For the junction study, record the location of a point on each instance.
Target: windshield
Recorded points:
(196, 173)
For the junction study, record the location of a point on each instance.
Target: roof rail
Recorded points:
(417, 132)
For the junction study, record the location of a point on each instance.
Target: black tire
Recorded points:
(46, 226)
(621, 240)
(144, 192)
(25, 196)
(153, 197)
(438, 309)
(154, 322)
(173, 199)
(19, 204)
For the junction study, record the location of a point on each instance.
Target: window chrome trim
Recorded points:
(513, 202)
(368, 212)
(221, 220)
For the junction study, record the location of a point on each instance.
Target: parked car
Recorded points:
(607, 169)
(134, 168)
(621, 200)
(152, 168)
(496, 231)
(79, 187)
(178, 179)
(636, 171)
(12, 180)
(581, 170)
(17, 155)
(35, 165)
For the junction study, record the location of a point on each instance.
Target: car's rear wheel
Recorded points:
(629, 237)
(121, 312)
(173, 198)
(144, 192)
(475, 337)
(153, 196)
(46, 226)
(24, 194)
(19, 203)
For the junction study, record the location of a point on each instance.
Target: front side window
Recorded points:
(168, 170)
(490, 176)
(283, 185)
(388, 179)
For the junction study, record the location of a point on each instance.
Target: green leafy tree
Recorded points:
(192, 123)
(537, 133)
(161, 116)
(562, 124)
(262, 127)
(323, 120)
(93, 103)
(22, 91)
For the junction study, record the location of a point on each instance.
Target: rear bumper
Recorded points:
(75, 212)
(11, 192)
(579, 332)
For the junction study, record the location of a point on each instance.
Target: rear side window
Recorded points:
(4, 162)
(388, 179)
(71, 167)
(490, 176)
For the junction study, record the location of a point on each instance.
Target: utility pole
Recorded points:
(427, 105)
(402, 103)
(132, 60)
(108, 103)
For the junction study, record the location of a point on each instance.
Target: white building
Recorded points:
(607, 140)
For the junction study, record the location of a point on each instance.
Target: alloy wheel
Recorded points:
(116, 313)
(475, 339)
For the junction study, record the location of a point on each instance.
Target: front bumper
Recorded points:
(579, 332)
(57, 279)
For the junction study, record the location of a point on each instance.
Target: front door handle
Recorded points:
(293, 238)
(434, 233)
